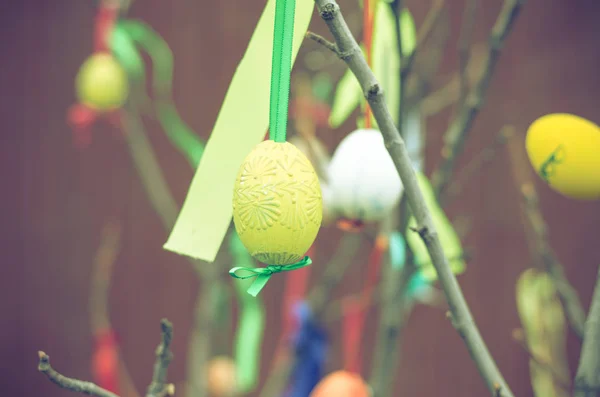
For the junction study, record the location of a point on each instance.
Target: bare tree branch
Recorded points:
(159, 386)
(537, 236)
(428, 58)
(75, 385)
(152, 176)
(458, 130)
(423, 34)
(587, 379)
(323, 41)
(200, 348)
(163, 202)
(566, 292)
(394, 313)
(476, 163)
(464, 46)
(461, 315)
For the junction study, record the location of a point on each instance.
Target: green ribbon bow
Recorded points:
(263, 274)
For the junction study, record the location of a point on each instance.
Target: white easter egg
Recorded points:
(363, 181)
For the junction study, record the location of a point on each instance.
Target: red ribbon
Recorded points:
(355, 309)
(105, 21)
(105, 360)
(296, 284)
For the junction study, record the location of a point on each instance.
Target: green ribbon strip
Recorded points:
(263, 274)
(283, 39)
(251, 323)
(123, 49)
(178, 132)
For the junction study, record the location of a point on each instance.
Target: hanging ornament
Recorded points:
(277, 208)
(222, 377)
(564, 149)
(341, 383)
(101, 83)
(277, 204)
(363, 182)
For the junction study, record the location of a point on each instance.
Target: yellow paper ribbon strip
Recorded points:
(241, 125)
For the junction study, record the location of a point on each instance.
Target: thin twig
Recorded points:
(519, 336)
(158, 192)
(152, 176)
(476, 164)
(394, 312)
(104, 262)
(537, 235)
(317, 300)
(159, 386)
(75, 385)
(461, 315)
(431, 19)
(200, 345)
(459, 128)
(464, 47)
(587, 380)
(567, 293)
(398, 6)
(323, 41)
(427, 59)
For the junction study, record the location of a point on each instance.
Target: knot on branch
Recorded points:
(424, 233)
(373, 91)
(392, 142)
(44, 363)
(328, 11)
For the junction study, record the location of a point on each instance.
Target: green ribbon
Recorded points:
(283, 39)
(263, 274)
(123, 49)
(178, 132)
(251, 324)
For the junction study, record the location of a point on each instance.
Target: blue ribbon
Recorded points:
(310, 349)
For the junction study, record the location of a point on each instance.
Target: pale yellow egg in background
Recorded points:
(222, 380)
(575, 142)
(277, 203)
(102, 83)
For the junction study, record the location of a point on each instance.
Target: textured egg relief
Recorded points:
(276, 186)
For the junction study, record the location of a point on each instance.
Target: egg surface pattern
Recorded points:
(277, 203)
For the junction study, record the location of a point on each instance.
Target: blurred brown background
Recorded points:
(56, 199)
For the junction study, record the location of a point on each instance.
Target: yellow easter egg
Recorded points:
(564, 149)
(277, 204)
(102, 83)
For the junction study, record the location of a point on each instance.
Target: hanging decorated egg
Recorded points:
(101, 83)
(277, 204)
(564, 149)
(363, 181)
(341, 384)
(222, 380)
(319, 157)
